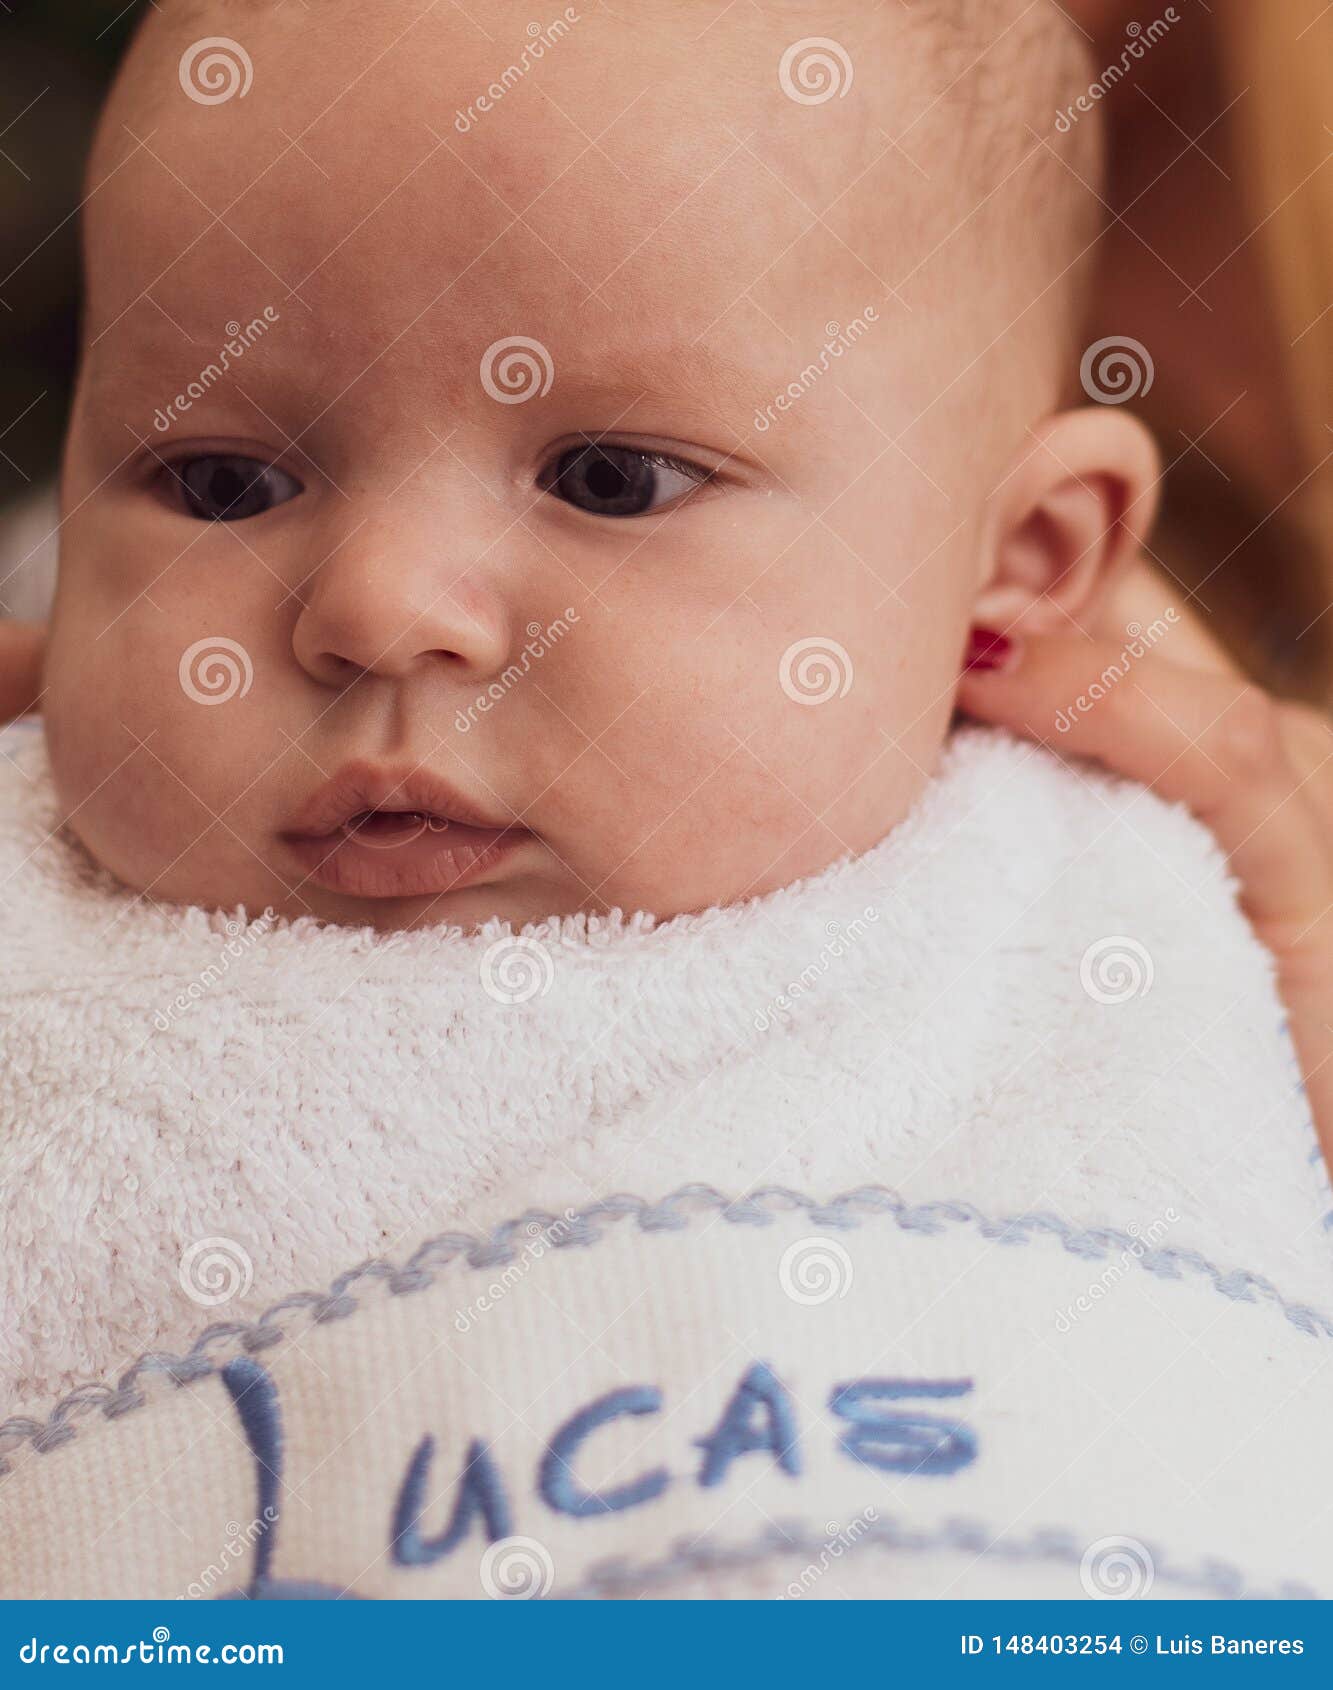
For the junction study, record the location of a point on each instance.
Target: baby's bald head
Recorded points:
(922, 132)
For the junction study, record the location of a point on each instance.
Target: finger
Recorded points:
(1143, 603)
(1207, 741)
(1309, 735)
(22, 646)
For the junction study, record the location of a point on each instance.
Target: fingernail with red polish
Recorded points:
(989, 650)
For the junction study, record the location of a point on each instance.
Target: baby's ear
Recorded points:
(1071, 510)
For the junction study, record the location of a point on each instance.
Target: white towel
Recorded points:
(1036, 993)
(1033, 1013)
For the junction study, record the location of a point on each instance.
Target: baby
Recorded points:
(531, 489)
(505, 460)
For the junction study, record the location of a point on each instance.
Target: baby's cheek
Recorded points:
(803, 756)
(130, 753)
(701, 812)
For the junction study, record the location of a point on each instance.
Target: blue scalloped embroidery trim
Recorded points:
(691, 1557)
(589, 1227)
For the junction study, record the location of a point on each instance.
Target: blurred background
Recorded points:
(56, 57)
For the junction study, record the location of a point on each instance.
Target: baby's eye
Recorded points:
(619, 481)
(221, 488)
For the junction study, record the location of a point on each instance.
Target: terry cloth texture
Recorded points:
(1035, 1002)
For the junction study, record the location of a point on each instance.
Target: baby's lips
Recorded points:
(362, 787)
(413, 861)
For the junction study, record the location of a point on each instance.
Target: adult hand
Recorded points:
(1181, 719)
(22, 645)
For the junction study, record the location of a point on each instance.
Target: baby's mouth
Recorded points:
(371, 833)
(388, 829)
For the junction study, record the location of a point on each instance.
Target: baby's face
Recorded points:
(520, 502)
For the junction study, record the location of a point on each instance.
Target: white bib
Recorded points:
(1089, 1294)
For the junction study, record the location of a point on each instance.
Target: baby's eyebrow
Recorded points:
(708, 372)
(145, 365)
(702, 382)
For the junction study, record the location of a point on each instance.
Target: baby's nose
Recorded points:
(363, 617)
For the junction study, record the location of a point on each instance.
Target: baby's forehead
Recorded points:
(676, 96)
(401, 181)
(608, 157)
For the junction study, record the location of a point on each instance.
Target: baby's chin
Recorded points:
(189, 877)
(219, 852)
(193, 880)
